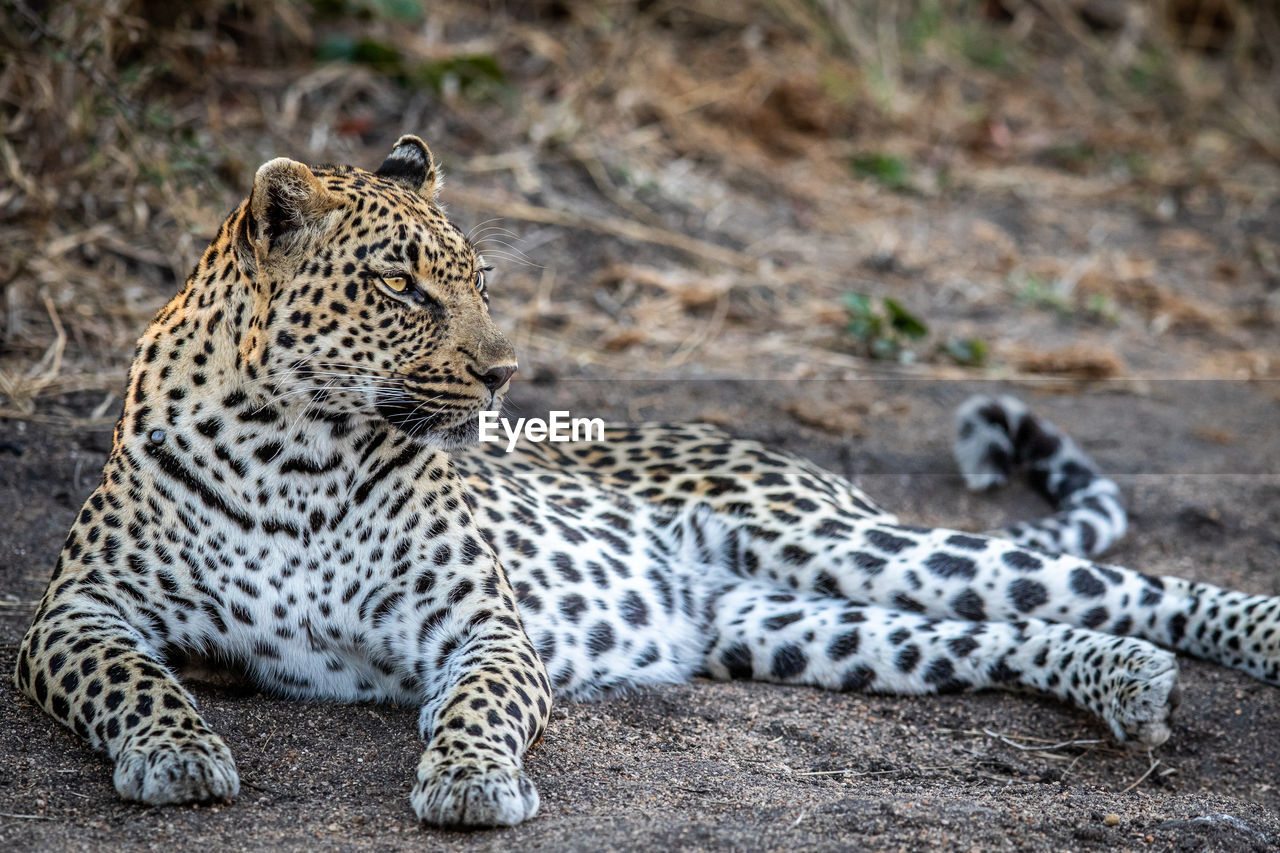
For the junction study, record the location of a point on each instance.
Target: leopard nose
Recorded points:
(495, 377)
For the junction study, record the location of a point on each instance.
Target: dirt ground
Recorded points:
(743, 766)
(694, 199)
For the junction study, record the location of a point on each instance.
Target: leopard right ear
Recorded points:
(287, 200)
(411, 165)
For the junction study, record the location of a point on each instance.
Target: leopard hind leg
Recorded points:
(768, 634)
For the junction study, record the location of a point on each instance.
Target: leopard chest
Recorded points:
(298, 567)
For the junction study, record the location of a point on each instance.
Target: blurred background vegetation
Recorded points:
(1079, 187)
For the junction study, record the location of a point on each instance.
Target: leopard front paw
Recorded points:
(473, 795)
(163, 770)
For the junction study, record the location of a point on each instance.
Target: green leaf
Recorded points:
(378, 56)
(336, 47)
(475, 74)
(923, 25)
(903, 321)
(858, 303)
(864, 328)
(859, 308)
(971, 352)
(863, 322)
(408, 11)
(890, 171)
(885, 348)
(326, 10)
(884, 326)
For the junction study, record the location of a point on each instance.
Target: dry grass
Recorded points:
(700, 182)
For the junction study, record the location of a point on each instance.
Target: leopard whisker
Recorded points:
(481, 226)
(509, 253)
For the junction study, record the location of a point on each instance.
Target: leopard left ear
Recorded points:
(410, 164)
(287, 201)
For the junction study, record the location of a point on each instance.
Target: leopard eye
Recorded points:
(398, 283)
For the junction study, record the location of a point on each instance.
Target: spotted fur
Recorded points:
(291, 489)
(995, 435)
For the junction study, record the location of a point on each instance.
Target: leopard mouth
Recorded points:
(408, 417)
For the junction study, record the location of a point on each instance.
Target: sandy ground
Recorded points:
(742, 765)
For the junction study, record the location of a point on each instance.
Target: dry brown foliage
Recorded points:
(686, 174)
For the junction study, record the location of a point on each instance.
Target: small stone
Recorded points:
(1111, 819)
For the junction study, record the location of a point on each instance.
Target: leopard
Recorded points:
(295, 490)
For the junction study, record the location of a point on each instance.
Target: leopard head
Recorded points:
(367, 301)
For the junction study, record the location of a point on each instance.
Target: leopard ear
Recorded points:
(287, 199)
(410, 164)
